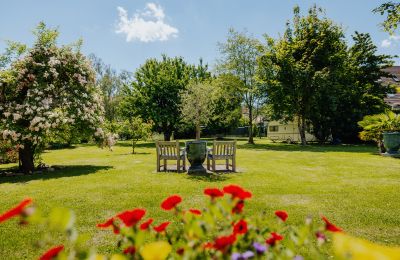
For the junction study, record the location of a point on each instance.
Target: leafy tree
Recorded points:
(392, 10)
(362, 92)
(110, 82)
(301, 68)
(137, 130)
(228, 100)
(155, 93)
(198, 104)
(239, 57)
(44, 90)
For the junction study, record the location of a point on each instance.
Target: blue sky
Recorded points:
(187, 28)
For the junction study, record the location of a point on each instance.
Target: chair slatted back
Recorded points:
(224, 149)
(168, 149)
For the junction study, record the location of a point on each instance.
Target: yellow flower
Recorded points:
(156, 251)
(347, 247)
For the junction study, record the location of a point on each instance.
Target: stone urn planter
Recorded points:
(196, 152)
(391, 141)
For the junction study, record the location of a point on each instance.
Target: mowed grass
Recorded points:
(353, 186)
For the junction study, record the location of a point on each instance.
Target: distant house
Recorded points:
(287, 132)
(393, 100)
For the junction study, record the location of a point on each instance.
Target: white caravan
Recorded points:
(287, 132)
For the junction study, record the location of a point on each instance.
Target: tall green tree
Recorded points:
(228, 101)
(154, 94)
(239, 57)
(362, 92)
(300, 70)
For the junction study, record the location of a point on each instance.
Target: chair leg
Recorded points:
(208, 163)
(165, 165)
(178, 165)
(158, 165)
(184, 164)
(227, 164)
(213, 165)
(234, 164)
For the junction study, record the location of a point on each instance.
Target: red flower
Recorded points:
(171, 202)
(15, 211)
(213, 192)
(161, 228)
(282, 215)
(180, 251)
(238, 207)
(275, 237)
(109, 223)
(52, 253)
(223, 242)
(145, 225)
(131, 250)
(237, 192)
(208, 245)
(195, 211)
(131, 217)
(240, 227)
(331, 227)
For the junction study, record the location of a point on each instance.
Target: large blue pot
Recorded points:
(391, 140)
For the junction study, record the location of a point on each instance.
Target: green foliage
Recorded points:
(239, 57)
(374, 125)
(301, 69)
(8, 152)
(228, 101)
(155, 93)
(198, 104)
(137, 130)
(392, 12)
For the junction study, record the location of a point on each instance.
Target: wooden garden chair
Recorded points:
(170, 151)
(222, 150)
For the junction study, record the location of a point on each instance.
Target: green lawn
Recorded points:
(354, 187)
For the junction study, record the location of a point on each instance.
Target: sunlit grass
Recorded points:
(352, 185)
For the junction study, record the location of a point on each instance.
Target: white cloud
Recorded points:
(147, 25)
(387, 43)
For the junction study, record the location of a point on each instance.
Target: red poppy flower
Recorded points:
(223, 242)
(131, 250)
(109, 223)
(171, 202)
(282, 215)
(15, 211)
(238, 208)
(331, 227)
(240, 227)
(237, 192)
(52, 253)
(213, 192)
(180, 251)
(208, 245)
(131, 217)
(273, 239)
(195, 211)
(161, 228)
(145, 225)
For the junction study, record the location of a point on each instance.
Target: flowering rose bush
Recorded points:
(218, 231)
(44, 89)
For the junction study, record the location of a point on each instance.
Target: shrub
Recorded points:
(8, 153)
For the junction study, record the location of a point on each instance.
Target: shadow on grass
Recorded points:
(59, 172)
(139, 145)
(208, 177)
(310, 148)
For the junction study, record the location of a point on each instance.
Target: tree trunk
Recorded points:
(251, 139)
(26, 163)
(302, 130)
(198, 131)
(133, 146)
